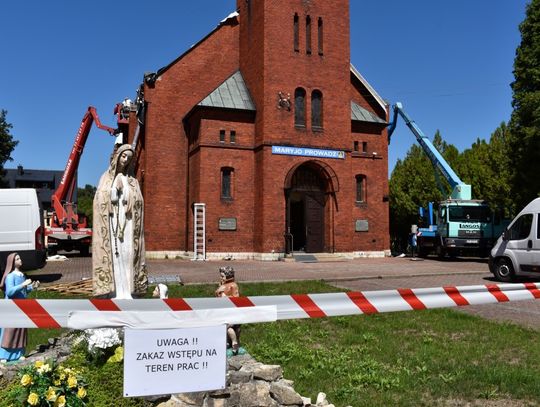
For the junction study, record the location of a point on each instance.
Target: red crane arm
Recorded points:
(68, 178)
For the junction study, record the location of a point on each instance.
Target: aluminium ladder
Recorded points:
(199, 230)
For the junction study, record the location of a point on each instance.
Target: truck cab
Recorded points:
(517, 251)
(465, 226)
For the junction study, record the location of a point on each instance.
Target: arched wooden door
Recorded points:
(306, 208)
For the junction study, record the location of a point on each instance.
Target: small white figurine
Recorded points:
(161, 291)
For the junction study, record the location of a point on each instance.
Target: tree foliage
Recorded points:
(525, 120)
(85, 199)
(486, 167)
(7, 144)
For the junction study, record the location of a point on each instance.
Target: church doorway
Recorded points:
(306, 207)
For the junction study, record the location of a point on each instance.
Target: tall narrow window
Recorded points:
(308, 35)
(300, 107)
(222, 136)
(355, 146)
(233, 136)
(296, 33)
(316, 109)
(226, 182)
(361, 195)
(320, 35)
(364, 146)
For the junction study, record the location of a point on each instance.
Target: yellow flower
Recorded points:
(57, 382)
(33, 399)
(44, 368)
(118, 355)
(62, 376)
(50, 395)
(38, 364)
(72, 381)
(81, 393)
(60, 401)
(26, 380)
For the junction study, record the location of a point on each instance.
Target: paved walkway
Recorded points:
(78, 268)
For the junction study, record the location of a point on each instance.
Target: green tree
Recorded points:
(85, 199)
(7, 144)
(486, 167)
(525, 120)
(451, 155)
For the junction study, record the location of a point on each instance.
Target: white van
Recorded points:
(517, 251)
(21, 228)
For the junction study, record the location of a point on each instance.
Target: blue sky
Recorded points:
(449, 63)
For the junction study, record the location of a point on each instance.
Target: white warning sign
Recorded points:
(166, 361)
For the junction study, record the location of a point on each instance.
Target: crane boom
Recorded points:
(460, 190)
(66, 216)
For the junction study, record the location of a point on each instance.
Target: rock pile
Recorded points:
(249, 384)
(57, 349)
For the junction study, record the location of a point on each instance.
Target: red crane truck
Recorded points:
(65, 229)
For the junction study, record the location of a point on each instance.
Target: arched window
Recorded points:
(296, 33)
(361, 190)
(308, 35)
(300, 107)
(320, 35)
(316, 109)
(227, 183)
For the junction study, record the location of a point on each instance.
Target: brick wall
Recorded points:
(180, 87)
(208, 157)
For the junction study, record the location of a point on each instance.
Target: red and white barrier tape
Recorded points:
(30, 313)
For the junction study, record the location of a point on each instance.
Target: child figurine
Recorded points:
(15, 285)
(229, 288)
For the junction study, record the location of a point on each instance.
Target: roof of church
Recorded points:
(363, 115)
(370, 88)
(231, 94)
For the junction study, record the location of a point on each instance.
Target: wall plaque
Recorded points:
(362, 225)
(227, 223)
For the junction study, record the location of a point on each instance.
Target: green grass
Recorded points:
(408, 359)
(404, 359)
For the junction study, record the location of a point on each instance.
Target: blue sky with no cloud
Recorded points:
(449, 63)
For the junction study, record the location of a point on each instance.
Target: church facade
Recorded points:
(268, 124)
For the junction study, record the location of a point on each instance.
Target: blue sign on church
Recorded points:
(308, 152)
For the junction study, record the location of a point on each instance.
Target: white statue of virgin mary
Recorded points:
(118, 254)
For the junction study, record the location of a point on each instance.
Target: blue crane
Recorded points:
(463, 226)
(460, 190)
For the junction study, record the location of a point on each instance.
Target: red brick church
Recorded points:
(267, 123)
